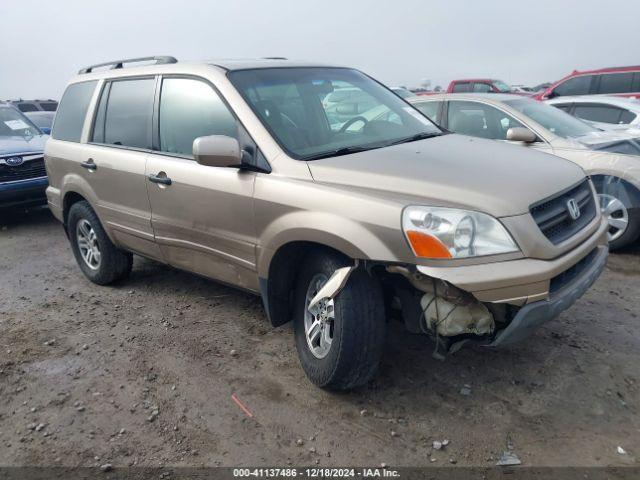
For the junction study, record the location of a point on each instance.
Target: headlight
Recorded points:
(437, 232)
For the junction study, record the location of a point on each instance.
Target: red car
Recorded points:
(620, 81)
(474, 85)
(478, 85)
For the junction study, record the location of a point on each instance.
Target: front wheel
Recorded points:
(340, 342)
(624, 221)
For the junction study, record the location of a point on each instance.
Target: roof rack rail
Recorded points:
(160, 60)
(275, 58)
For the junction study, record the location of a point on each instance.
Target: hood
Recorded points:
(604, 137)
(454, 170)
(18, 144)
(615, 141)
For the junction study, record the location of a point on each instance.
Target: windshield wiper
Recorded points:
(416, 137)
(356, 149)
(339, 152)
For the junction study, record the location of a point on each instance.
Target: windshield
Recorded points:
(14, 123)
(552, 118)
(501, 86)
(316, 112)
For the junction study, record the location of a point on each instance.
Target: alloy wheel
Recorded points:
(319, 322)
(88, 244)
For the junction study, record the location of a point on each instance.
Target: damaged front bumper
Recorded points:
(564, 292)
(497, 304)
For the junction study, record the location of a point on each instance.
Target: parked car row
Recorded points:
(612, 159)
(335, 200)
(34, 105)
(618, 81)
(23, 178)
(602, 111)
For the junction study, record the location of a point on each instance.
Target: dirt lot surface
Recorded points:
(144, 372)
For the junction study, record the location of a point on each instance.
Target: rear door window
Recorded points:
(461, 87)
(72, 111)
(190, 109)
(481, 88)
(127, 113)
(616, 83)
(574, 86)
(598, 113)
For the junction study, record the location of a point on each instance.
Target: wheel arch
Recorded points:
(70, 198)
(286, 240)
(278, 287)
(617, 186)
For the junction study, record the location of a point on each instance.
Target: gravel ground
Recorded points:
(143, 373)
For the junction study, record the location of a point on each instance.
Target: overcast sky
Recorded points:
(43, 43)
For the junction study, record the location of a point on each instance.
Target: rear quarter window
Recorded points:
(616, 83)
(72, 111)
(49, 106)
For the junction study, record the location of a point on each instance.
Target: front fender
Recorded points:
(351, 238)
(599, 163)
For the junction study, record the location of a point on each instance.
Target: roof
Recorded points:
(160, 62)
(631, 68)
(496, 97)
(249, 64)
(477, 80)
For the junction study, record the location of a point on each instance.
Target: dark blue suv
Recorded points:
(23, 178)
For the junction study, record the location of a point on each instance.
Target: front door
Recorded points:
(202, 216)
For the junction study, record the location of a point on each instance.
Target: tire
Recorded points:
(358, 327)
(112, 263)
(621, 196)
(631, 234)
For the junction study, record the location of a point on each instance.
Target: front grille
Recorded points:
(29, 169)
(552, 215)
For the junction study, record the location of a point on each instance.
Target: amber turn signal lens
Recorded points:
(427, 246)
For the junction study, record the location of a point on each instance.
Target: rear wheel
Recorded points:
(340, 341)
(98, 258)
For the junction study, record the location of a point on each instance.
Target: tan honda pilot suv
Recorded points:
(341, 215)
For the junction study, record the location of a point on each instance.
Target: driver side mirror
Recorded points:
(217, 151)
(520, 134)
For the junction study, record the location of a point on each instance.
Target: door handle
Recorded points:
(158, 179)
(89, 165)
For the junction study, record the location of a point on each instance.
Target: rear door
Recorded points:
(619, 83)
(202, 216)
(115, 157)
